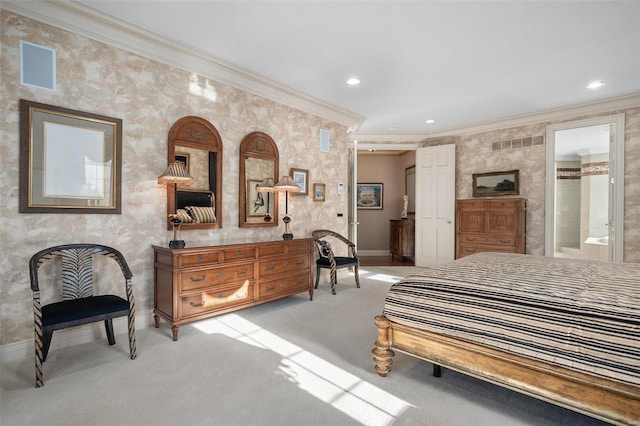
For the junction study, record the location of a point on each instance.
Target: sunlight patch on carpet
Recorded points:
(360, 400)
(384, 277)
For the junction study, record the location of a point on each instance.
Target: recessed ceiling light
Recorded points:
(392, 128)
(595, 84)
(353, 81)
(430, 121)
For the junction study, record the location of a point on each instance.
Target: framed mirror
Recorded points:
(197, 144)
(258, 161)
(410, 188)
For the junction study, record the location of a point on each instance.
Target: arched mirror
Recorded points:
(196, 143)
(258, 161)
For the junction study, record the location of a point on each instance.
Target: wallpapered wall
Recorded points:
(474, 154)
(149, 97)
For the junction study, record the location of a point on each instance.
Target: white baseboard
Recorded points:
(73, 336)
(373, 252)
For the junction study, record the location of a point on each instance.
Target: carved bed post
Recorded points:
(382, 353)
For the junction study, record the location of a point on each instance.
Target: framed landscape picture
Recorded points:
(369, 196)
(496, 183)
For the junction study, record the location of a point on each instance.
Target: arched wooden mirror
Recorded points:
(197, 144)
(258, 161)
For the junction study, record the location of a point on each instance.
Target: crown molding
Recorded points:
(84, 21)
(556, 114)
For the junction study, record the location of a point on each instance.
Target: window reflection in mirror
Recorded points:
(196, 143)
(258, 161)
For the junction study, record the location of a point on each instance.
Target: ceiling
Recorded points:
(458, 63)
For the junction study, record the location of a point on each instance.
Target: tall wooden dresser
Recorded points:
(196, 283)
(491, 224)
(402, 238)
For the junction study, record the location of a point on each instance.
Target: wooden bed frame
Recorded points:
(598, 397)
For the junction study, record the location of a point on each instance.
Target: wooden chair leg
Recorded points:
(133, 352)
(108, 326)
(355, 271)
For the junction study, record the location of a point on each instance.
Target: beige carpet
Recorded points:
(289, 362)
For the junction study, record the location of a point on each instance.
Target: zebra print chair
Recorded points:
(327, 259)
(80, 305)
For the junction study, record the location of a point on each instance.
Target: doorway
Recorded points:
(585, 189)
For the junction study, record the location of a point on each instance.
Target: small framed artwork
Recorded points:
(301, 178)
(256, 205)
(369, 196)
(183, 157)
(70, 161)
(496, 183)
(318, 192)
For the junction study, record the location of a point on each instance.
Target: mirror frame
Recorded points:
(196, 133)
(261, 146)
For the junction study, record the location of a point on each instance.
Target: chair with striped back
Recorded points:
(328, 260)
(79, 305)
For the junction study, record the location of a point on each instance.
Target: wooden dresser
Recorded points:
(196, 283)
(492, 224)
(402, 238)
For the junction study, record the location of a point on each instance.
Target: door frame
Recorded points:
(616, 158)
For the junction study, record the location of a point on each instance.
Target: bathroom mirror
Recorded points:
(258, 161)
(196, 143)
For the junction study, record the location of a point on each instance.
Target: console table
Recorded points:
(191, 284)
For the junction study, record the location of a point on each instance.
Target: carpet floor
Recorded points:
(288, 362)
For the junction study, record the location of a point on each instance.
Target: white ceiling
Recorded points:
(459, 63)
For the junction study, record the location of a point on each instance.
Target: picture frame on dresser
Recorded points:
(70, 161)
(496, 183)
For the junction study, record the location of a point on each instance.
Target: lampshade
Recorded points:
(286, 184)
(266, 185)
(175, 173)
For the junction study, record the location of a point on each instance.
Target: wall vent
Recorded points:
(37, 66)
(517, 143)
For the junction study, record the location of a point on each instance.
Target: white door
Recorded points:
(435, 205)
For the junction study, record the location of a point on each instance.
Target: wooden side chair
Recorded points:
(328, 260)
(80, 306)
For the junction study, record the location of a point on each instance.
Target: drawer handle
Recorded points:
(273, 287)
(240, 273)
(198, 305)
(470, 239)
(270, 268)
(239, 254)
(505, 241)
(300, 262)
(221, 273)
(271, 250)
(285, 282)
(197, 280)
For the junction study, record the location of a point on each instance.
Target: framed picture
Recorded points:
(183, 157)
(70, 161)
(318, 192)
(301, 178)
(496, 183)
(369, 196)
(256, 205)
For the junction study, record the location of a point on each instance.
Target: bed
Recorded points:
(563, 330)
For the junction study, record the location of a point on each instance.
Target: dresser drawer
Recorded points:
(199, 258)
(240, 253)
(280, 286)
(192, 280)
(216, 299)
(299, 247)
(271, 250)
(273, 267)
(466, 250)
(470, 240)
(504, 204)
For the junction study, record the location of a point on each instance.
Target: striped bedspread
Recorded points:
(583, 315)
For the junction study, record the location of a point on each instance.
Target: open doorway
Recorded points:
(585, 191)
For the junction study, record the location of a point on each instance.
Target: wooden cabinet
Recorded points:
(490, 225)
(402, 238)
(196, 283)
